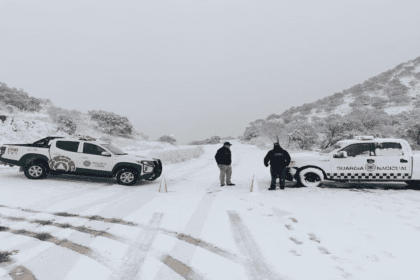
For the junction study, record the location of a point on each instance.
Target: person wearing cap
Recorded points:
(279, 159)
(224, 160)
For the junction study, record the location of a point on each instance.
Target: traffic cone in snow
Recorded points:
(254, 185)
(163, 182)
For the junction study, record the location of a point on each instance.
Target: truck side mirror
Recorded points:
(341, 154)
(106, 154)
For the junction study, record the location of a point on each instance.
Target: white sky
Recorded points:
(196, 69)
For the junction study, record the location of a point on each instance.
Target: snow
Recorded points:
(342, 109)
(355, 231)
(406, 80)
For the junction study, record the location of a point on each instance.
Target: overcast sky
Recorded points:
(200, 68)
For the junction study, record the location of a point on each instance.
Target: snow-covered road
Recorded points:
(96, 229)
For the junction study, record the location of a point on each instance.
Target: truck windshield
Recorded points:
(114, 150)
(331, 148)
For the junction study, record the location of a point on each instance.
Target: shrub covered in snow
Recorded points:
(56, 113)
(65, 124)
(111, 123)
(211, 140)
(18, 99)
(167, 139)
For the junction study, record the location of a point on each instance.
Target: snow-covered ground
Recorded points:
(199, 230)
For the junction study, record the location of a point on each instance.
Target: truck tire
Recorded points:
(310, 177)
(415, 185)
(36, 170)
(127, 177)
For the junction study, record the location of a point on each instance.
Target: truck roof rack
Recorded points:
(364, 137)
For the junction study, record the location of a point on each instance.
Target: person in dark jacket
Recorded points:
(279, 159)
(224, 160)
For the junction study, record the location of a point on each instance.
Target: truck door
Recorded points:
(391, 163)
(93, 162)
(64, 156)
(353, 164)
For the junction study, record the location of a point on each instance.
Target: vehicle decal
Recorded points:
(62, 163)
(369, 176)
(350, 168)
(86, 163)
(99, 164)
(12, 151)
(370, 167)
(32, 149)
(391, 168)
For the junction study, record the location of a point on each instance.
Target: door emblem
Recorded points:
(62, 163)
(370, 167)
(86, 163)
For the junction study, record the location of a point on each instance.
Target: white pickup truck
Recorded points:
(79, 156)
(363, 158)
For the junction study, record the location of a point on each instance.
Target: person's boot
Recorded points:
(230, 184)
(272, 188)
(282, 187)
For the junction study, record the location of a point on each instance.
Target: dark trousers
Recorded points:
(278, 172)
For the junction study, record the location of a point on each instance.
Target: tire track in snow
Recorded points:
(60, 242)
(194, 226)
(22, 273)
(256, 267)
(138, 251)
(180, 268)
(46, 237)
(181, 236)
(209, 247)
(82, 229)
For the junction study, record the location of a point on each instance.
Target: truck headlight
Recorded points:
(148, 163)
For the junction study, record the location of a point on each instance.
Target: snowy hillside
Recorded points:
(385, 106)
(396, 90)
(66, 227)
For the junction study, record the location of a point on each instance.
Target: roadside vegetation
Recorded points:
(212, 140)
(364, 109)
(26, 119)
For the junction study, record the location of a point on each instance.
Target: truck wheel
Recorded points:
(310, 177)
(415, 185)
(36, 170)
(126, 177)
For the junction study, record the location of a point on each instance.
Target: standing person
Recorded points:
(279, 159)
(224, 160)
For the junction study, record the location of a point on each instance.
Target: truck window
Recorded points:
(334, 147)
(359, 150)
(69, 146)
(92, 149)
(388, 149)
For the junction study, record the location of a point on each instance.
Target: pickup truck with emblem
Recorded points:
(79, 156)
(363, 158)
